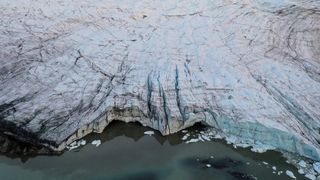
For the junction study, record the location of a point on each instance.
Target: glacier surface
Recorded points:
(248, 68)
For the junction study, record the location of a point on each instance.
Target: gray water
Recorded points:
(127, 154)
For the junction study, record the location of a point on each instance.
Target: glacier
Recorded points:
(249, 69)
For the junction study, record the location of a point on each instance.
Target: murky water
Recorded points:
(127, 154)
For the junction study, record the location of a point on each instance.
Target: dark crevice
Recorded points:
(178, 97)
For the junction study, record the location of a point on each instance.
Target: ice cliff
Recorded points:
(249, 68)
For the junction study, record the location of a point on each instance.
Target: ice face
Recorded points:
(250, 69)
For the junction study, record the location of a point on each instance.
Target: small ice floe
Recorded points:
(184, 131)
(248, 163)
(290, 174)
(200, 139)
(265, 163)
(302, 163)
(301, 171)
(218, 136)
(82, 142)
(211, 134)
(185, 137)
(192, 141)
(208, 165)
(206, 138)
(260, 147)
(150, 133)
(280, 172)
(258, 150)
(73, 145)
(243, 144)
(310, 176)
(76, 144)
(316, 167)
(211, 157)
(96, 143)
(274, 168)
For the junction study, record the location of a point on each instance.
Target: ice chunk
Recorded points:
(96, 143)
(310, 176)
(185, 137)
(301, 171)
(207, 138)
(290, 174)
(302, 163)
(76, 144)
(316, 167)
(82, 142)
(73, 147)
(231, 139)
(184, 131)
(218, 136)
(193, 141)
(150, 133)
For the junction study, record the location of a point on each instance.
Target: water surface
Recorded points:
(126, 153)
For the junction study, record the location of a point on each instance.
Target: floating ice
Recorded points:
(290, 174)
(184, 131)
(316, 167)
(301, 171)
(73, 147)
(96, 143)
(218, 136)
(76, 144)
(302, 163)
(192, 141)
(310, 176)
(150, 133)
(231, 139)
(82, 142)
(205, 137)
(185, 137)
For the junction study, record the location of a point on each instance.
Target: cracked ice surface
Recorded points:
(248, 68)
